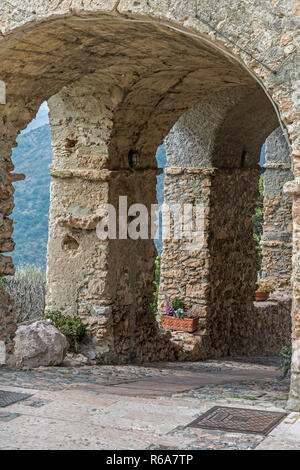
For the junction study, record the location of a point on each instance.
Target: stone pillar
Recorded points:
(292, 188)
(76, 258)
(276, 242)
(218, 280)
(185, 271)
(109, 283)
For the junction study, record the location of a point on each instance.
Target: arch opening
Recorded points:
(108, 100)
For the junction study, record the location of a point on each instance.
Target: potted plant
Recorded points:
(176, 318)
(263, 291)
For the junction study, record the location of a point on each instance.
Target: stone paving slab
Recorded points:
(80, 408)
(286, 436)
(134, 432)
(76, 396)
(44, 433)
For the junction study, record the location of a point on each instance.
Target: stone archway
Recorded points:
(151, 62)
(213, 155)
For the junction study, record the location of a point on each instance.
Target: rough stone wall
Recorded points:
(271, 324)
(77, 259)
(233, 260)
(276, 241)
(175, 57)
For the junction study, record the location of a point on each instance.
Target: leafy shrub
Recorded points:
(154, 304)
(28, 287)
(176, 309)
(177, 304)
(69, 325)
(286, 358)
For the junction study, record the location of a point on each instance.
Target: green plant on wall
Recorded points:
(177, 304)
(154, 304)
(69, 325)
(258, 218)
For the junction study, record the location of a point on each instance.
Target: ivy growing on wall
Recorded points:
(258, 218)
(156, 281)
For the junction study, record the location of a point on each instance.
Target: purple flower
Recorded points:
(169, 309)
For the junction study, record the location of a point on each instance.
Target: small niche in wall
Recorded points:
(71, 142)
(133, 159)
(70, 245)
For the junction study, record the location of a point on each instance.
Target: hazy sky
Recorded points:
(40, 119)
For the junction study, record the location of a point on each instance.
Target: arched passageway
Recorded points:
(117, 89)
(218, 281)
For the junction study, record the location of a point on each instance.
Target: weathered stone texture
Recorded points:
(222, 174)
(2, 353)
(234, 260)
(271, 325)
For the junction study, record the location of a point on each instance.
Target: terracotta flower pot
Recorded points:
(181, 324)
(261, 296)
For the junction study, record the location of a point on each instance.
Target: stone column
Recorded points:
(76, 258)
(276, 242)
(234, 261)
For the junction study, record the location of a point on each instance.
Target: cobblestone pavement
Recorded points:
(141, 407)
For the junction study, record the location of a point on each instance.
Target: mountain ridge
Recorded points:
(32, 157)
